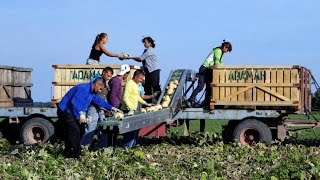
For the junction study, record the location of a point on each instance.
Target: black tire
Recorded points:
(252, 131)
(1, 135)
(227, 131)
(36, 131)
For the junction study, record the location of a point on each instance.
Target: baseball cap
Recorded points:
(124, 69)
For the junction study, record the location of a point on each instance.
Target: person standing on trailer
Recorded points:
(97, 114)
(72, 108)
(205, 73)
(98, 49)
(150, 67)
(131, 100)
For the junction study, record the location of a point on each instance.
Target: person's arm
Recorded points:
(106, 52)
(140, 100)
(101, 102)
(138, 59)
(146, 96)
(145, 54)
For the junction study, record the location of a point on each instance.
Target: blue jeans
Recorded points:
(130, 139)
(96, 115)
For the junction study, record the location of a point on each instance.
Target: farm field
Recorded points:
(178, 157)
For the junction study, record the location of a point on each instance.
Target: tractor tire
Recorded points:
(252, 131)
(36, 131)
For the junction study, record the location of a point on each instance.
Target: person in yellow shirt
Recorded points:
(131, 99)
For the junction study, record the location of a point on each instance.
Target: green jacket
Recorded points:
(214, 58)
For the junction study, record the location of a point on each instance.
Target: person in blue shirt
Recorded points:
(72, 108)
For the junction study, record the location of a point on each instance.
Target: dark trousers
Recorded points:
(72, 134)
(152, 83)
(204, 78)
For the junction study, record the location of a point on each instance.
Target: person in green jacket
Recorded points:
(205, 72)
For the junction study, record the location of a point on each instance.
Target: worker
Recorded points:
(131, 99)
(72, 108)
(98, 49)
(114, 97)
(150, 67)
(205, 73)
(96, 113)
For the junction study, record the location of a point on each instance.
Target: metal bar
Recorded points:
(26, 111)
(226, 114)
(139, 121)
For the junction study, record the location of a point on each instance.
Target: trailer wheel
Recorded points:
(36, 131)
(252, 131)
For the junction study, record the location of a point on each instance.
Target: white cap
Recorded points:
(124, 69)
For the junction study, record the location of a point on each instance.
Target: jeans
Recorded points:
(97, 115)
(130, 139)
(92, 61)
(204, 78)
(72, 136)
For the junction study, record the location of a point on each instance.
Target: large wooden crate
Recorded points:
(282, 87)
(15, 82)
(68, 75)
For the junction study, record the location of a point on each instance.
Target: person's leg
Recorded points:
(90, 127)
(155, 82)
(208, 80)
(73, 139)
(63, 116)
(148, 85)
(201, 83)
(129, 139)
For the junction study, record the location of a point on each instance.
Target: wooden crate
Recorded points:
(260, 86)
(68, 75)
(15, 82)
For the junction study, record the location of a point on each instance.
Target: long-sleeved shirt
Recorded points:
(78, 99)
(214, 58)
(115, 93)
(131, 96)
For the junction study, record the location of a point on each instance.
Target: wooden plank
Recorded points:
(286, 79)
(279, 96)
(256, 103)
(273, 75)
(280, 81)
(222, 79)
(294, 90)
(238, 92)
(239, 88)
(260, 93)
(267, 96)
(233, 89)
(227, 67)
(227, 88)
(215, 79)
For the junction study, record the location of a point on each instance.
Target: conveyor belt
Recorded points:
(140, 120)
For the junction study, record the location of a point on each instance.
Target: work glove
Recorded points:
(83, 119)
(116, 110)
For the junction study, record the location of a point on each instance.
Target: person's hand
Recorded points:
(83, 119)
(149, 104)
(155, 94)
(123, 56)
(116, 110)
